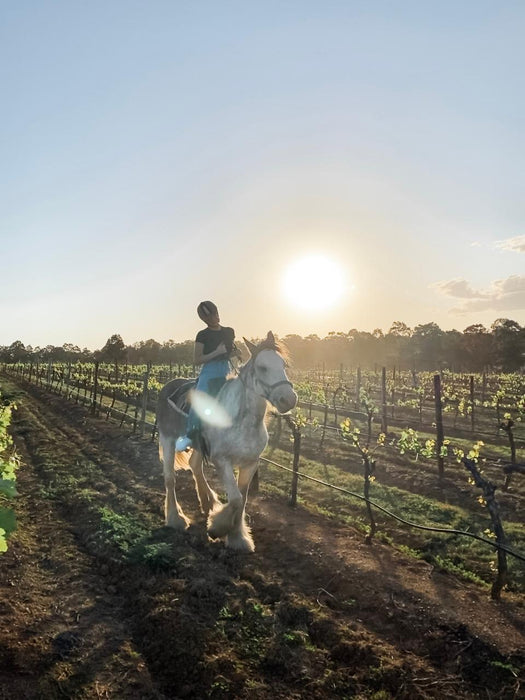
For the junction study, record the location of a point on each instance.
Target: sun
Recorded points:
(314, 282)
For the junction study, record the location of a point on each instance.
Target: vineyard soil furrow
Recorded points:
(99, 600)
(64, 626)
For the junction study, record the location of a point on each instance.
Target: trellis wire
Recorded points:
(449, 531)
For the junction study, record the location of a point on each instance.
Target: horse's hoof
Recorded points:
(179, 524)
(240, 544)
(214, 532)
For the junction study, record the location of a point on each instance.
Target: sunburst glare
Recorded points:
(314, 282)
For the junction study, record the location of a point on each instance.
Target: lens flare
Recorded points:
(209, 409)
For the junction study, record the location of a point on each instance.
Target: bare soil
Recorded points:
(92, 608)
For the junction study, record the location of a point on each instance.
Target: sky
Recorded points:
(157, 153)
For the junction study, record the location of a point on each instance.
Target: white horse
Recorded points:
(238, 446)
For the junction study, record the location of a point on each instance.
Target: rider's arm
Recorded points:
(199, 358)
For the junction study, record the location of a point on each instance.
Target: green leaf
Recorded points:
(7, 488)
(7, 520)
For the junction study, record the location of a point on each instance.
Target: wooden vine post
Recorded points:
(472, 402)
(144, 407)
(440, 436)
(384, 419)
(296, 432)
(95, 389)
(325, 423)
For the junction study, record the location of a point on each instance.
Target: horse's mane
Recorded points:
(229, 395)
(272, 344)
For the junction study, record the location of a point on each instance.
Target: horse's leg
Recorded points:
(175, 517)
(207, 497)
(240, 537)
(223, 517)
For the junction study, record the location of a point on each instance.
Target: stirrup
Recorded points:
(183, 443)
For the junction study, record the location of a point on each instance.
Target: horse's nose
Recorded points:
(287, 401)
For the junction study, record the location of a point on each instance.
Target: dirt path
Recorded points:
(99, 601)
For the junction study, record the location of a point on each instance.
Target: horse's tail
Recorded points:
(182, 460)
(204, 448)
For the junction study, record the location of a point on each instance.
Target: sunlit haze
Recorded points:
(157, 154)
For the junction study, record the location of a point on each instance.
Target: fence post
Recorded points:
(296, 454)
(358, 389)
(339, 388)
(325, 422)
(95, 389)
(472, 402)
(144, 402)
(439, 425)
(384, 419)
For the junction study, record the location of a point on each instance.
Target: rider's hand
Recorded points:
(221, 349)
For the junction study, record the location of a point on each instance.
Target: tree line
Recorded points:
(425, 347)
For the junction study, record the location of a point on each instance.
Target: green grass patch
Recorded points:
(462, 556)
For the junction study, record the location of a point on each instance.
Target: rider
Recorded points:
(214, 346)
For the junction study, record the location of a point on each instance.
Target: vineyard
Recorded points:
(340, 599)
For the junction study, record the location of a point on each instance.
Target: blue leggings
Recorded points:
(211, 373)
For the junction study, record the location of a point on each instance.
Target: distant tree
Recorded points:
(298, 351)
(335, 349)
(176, 353)
(452, 349)
(398, 348)
(398, 328)
(509, 344)
(113, 351)
(145, 351)
(428, 346)
(71, 352)
(17, 352)
(477, 344)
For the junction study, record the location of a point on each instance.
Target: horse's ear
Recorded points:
(251, 347)
(270, 338)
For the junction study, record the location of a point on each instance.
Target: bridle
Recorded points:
(268, 388)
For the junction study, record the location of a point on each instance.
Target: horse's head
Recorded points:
(269, 374)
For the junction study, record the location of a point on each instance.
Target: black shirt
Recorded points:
(211, 339)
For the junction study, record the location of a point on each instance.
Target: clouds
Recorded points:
(503, 295)
(506, 294)
(516, 244)
(457, 288)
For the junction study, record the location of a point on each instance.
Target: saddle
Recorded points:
(179, 398)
